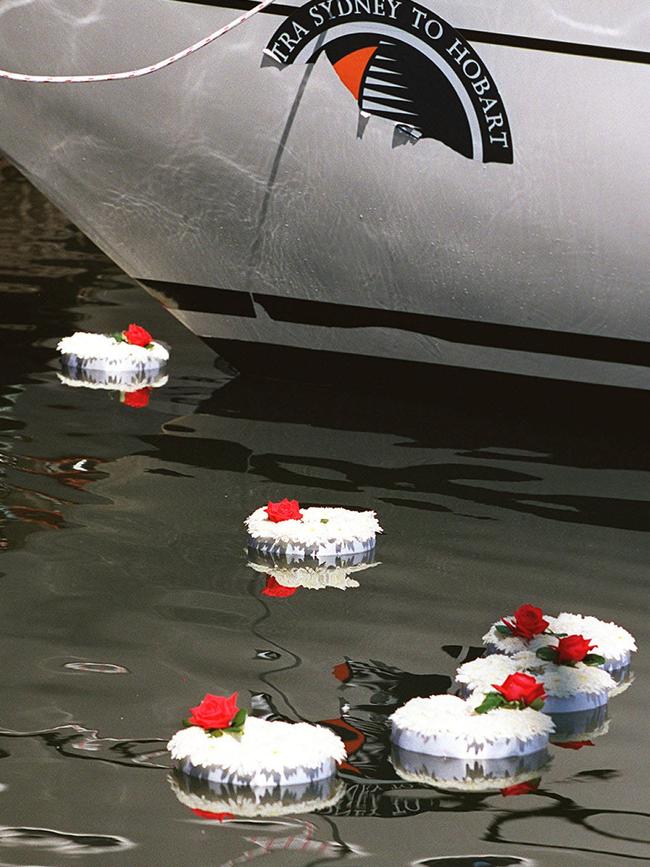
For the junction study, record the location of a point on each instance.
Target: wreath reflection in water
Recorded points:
(289, 574)
(216, 800)
(469, 775)
(580, 728)
(134, 387)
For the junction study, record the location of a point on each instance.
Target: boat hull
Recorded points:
(257, 202)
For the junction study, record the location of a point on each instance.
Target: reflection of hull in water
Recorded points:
(468, 775)
(255, 243)
(372, 691)
(392, 799)
(427, 475)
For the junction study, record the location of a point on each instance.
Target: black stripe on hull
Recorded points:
(202, 299)
(326, 314)
(509, 40)
(417, 381)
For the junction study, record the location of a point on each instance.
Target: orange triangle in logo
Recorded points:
(350, 68)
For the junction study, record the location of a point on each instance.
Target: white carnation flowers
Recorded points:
(544, 679)
(256, 766)
(568, 688)
(445, 725)
(529, 629)
(265, 755)
(551, 687)
(129, 361)
(286, 529)
(133, 350)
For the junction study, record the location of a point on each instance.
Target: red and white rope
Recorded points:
(145, 70)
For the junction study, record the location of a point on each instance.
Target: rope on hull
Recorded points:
(145, 70)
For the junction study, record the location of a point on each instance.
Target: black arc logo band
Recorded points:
(404, 63)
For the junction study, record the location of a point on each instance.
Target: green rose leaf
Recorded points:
(239, 719)
(236, 726)
(548, 654)
(538, 704)
(491, 701)
(119, 336)
(502, 629)
(594, 659)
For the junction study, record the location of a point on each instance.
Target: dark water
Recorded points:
(125, 593)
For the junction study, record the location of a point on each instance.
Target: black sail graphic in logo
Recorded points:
(404, 63)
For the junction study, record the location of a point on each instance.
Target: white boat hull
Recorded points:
(263, 208)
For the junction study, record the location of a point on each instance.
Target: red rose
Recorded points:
(575, 745)
(215, 817)
(572, 648)
(521, 687)
(527, 788)
(285, 510)
(528, 622)
(274, 588)
(137, 399)
(214, 712)
(136, 335)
